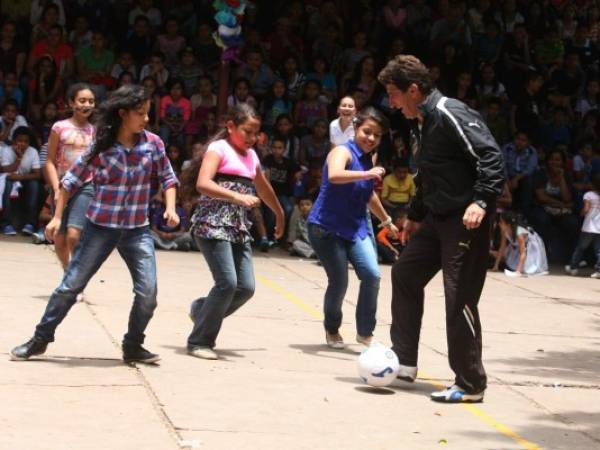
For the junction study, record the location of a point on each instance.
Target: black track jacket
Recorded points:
(457, 157)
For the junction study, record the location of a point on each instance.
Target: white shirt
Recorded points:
(20, 121)
(337, 136)
(591, 223)
(29, 162)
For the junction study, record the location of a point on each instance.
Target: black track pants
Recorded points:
(443, 243)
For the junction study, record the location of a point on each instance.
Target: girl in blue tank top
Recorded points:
(338, 228)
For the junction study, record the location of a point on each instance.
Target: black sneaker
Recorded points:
(137, 353)
(32, 347)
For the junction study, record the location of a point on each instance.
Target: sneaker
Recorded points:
(38, 237)
(264, 245)
(334, 340)
(571, 271)
(32, 347)
(595, 275)
(137, 353)
(456, 394)
(203, 352)
(407, 373)
(28, 230)
(8, 230)
(364, 340)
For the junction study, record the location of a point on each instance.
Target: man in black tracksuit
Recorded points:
(460, 174)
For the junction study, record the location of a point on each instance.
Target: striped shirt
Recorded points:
(124, 179)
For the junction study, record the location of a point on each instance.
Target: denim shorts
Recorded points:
(76, 209)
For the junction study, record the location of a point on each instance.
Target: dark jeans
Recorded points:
(231, 267)
(136, 247)
(443, 243)
(30, 193)
(585, 241)
(559, 233)
(335, 253)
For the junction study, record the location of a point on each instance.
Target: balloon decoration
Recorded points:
(229, 16)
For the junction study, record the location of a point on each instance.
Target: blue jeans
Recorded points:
(585, 240)
(30, 193)
(136, 247)
(334, 253)
(231, 267)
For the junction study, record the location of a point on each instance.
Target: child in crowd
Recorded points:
(43, 127)
(125, 63)
(315, 146)
(590, 231)
(309, 109)
(398, 187)
(150, 85)
(323, 75)
(284, 128)
(298, 233)
(68, 140)
(175, 112)
(259, 74)
(10, 89)
(582, 166)
(10, 120)
(123, 162)
(389, 245)
(229, 174)
(45, 86)
(188, 70)
(341, 130)
(171, 43)
(176, 158)
(521, 248)
(241, 94)
(309, 183)
(293, 79)
(157, 70)
(165, 236)
(276, 102)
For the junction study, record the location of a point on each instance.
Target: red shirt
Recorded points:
(61, 53)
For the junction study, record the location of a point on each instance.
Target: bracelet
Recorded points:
(386, 223)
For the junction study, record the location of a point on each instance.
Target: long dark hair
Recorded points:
(514, 219)
(108, 121)
(49, 81)
(238, 114)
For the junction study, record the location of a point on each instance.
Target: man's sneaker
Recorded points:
(456, 394)
(264, 245)
(407, 373)
(202, 352)
(8, 230)
(334, 340)
(28, 230)
(32, 347)
(364, 340)
(137, 353)
(595, 275)
(571, 270)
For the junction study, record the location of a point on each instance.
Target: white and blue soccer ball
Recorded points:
(378, 365)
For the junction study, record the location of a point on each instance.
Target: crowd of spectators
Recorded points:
(531, 68)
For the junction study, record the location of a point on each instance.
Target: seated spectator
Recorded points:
(170, 43)
(284, 128)
(464, 90)
(282, 42)
(321, 73)
(496, 121)
(293, 78)
(298, 230)
(583, 46)
(588, 101)
(389, 245)
(176, 157)
(94, 64)
(521, 162)
(567, 82)
(81, 35)
(525, 112)
(175, 112)
(549, 49)
(43, 126)
(557, 131)
(309, 184)
(553, 216)
(488, 46)
(125, 63)
(146, 9)
(206, 51)
(327, 46)
(10, 89)
(46, 86)
(398, 188)
(587, 128)
(20, 164)
(259, 75)
(309, 109)
(241, 94)
(352, 56)
(204, 99)
(275, 103)
(489, 86)
(125, 79)
(139, 41)
(364, 77)
(43, 18)
(582, 166)
(10, 121)
(157, 70)
(315, 146)
(149, 84)
(521, 249)
(54, 47)
(166, 237)
(341, 130)
(188, 71)
(13, 53)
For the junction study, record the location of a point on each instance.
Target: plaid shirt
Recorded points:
(124, 179)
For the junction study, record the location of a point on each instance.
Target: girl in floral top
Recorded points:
(229, 176)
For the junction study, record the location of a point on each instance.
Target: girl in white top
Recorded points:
(590, 231)
(521, 248)
(341, 130)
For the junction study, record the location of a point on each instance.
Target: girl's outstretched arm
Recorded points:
(522, 238)
(267, 194)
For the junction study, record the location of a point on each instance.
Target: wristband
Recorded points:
(386, 223)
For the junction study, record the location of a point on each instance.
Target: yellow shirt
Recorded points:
(398, 191)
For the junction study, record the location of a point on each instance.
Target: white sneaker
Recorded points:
(456, 394)
(407, 373)
(571, 271)
(595, 275)
(512, 274)
(335, 340)
(203, 353)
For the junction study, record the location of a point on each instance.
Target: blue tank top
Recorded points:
(342, 208)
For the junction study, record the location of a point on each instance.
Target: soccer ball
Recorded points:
(378, 365)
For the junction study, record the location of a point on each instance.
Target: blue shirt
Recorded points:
(342, 208)
(524, 161)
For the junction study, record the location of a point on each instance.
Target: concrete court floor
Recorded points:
(277, 385)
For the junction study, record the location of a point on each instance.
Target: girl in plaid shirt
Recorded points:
(229, 181)
(122, 163)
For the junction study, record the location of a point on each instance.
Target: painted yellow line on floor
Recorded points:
(477, 412)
